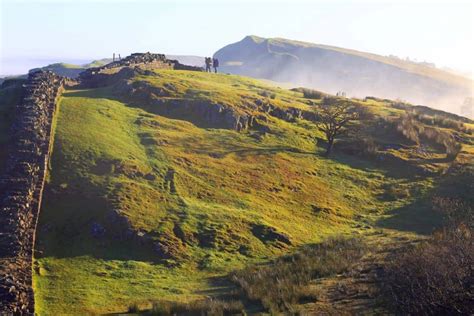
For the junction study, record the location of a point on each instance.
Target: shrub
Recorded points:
(455, 210)
(359, 145)
(408, 127)
(329, 100)
(377, 99)
(452, 148)
(414, 131)
(310, 93)
(435, 277)
(364, 113)
(440, 121)
(393, 193)
(267, 94)
(133, 309)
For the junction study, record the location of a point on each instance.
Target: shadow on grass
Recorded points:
(223, 289)
(74, 224)
(418, 217)
(434, 160)
(396, 170)
(183, 109)
(242, 152)
(59, 245)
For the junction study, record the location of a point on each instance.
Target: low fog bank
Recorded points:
(358, 74)
(418, 91)
(408, 87)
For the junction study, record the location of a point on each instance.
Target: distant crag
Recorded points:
(332, 69)
(21, 186)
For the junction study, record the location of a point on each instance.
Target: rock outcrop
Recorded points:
(201, 112)
(102, 76)
(21, 187)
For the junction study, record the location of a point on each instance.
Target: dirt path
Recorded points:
(356, 292)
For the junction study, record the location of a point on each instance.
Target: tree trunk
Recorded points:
(329, 146)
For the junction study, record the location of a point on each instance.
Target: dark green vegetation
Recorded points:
(148, 198)
(10, 95)
(435, 277)
(334, 69)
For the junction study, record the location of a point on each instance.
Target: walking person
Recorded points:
(208, 64)
(215, 64)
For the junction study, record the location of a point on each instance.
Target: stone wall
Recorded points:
(21, 186)
(104, 75)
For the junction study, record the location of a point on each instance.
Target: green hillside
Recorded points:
(149, 197)
(334, 69)
(72, 70)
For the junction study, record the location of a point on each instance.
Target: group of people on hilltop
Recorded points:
(211, 62)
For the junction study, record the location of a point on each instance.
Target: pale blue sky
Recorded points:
(36, 32)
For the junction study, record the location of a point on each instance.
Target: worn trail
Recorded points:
(357, 291)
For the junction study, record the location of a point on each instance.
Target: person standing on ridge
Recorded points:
(215, 64)
(208, 64)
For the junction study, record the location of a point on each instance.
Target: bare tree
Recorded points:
(333, 119)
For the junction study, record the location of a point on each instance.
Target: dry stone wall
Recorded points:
(104, 75)
(21, 186)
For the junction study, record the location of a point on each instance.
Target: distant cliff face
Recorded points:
(335, 69)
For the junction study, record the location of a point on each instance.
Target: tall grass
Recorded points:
(283, 283)
(206, 307)
(414, 131)
(277, 287)
(436, 277)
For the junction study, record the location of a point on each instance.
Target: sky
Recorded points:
(35, 33)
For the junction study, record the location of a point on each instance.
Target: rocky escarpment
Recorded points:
(21, 187)
(157, 99)
(160, 100)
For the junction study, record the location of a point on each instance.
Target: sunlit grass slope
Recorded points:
(140, 206)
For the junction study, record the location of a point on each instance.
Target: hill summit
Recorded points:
(334, 69)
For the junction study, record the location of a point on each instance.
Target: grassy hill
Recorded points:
(334, 69)
(149, 197)
(72, 70)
